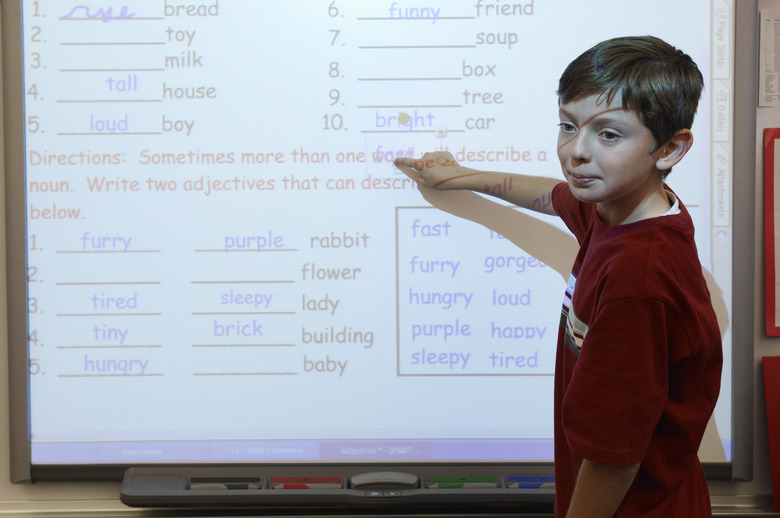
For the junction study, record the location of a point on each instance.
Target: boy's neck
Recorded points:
(654, 205)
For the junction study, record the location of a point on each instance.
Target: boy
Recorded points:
(639, 355)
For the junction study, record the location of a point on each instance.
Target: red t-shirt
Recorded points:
(639, 360)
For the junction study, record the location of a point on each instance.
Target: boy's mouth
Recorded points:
(580, 180)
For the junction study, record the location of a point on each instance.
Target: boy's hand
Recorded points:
(441, 172)
(437, 170)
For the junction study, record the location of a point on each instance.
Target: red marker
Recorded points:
(306, 483)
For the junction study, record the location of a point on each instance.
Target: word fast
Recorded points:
(425, 230)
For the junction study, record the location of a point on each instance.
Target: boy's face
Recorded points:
(607, 157)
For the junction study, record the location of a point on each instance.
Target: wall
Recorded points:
(59, 499)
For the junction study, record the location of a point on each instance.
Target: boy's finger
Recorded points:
(407, 167)
(407, 162)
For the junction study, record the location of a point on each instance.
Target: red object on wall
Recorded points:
(771, 230)
(771, 366)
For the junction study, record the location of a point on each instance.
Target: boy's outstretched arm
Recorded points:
(441, 171)
(600, 489)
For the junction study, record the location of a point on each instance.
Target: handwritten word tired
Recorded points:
(106, 302)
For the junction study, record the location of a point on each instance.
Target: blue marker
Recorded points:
(531, 482)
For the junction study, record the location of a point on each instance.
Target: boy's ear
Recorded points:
(674, 150)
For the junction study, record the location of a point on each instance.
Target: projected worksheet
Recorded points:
(220, 248)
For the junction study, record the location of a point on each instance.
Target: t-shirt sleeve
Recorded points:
(619, 385)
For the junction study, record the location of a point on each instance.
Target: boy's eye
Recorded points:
(608, 135)
(567, 127)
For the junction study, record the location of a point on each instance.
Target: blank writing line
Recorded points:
(242, 282)
(217, 313)
(410, 78)
(245, 374)
(99, 43)
(401, 47)
(255, 250)
(112, 70)
(209, 346)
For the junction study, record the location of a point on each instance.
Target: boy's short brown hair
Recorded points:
(659, 82)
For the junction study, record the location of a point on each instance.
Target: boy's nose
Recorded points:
(578, 148)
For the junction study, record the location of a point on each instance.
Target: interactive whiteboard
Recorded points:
(223, 264)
